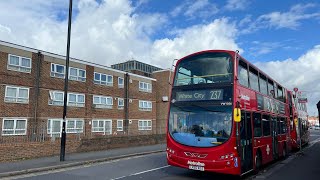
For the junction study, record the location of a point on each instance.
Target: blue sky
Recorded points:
(280, 37)
(280, 40)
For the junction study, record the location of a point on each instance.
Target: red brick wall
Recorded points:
(29, 150)
(162, 89)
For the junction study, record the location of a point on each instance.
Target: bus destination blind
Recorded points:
(200, 95)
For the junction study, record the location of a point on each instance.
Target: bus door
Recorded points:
(274, 134)
(246, 142)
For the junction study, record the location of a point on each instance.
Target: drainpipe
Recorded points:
(36, 95)
(126, 102)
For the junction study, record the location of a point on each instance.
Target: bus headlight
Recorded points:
(227, 156)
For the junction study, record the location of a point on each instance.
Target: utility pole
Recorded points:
(63, 135)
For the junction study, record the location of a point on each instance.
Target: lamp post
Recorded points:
(63, 135)
(318, 107)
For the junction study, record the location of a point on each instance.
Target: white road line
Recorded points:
(151, 170)
(142, 172)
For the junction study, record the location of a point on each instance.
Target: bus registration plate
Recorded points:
(198, 168)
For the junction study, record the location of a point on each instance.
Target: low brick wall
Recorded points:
(30, 150)
(102, 143)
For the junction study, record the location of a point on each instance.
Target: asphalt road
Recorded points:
(153, 166)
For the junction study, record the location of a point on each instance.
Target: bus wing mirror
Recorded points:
(237, 115)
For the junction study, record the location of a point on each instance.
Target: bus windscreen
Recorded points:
(200, 125)
(208, 68)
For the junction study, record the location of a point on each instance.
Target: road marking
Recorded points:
(142, 172)
(69, 168)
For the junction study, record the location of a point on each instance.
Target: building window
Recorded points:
(14, 127)
(120, 103)
(76, 100)
(102, 102)
(103, 79)
(72, 126)
(145, 105)
(54, 127)
(120, 82)
(18, 63)
(15, 94)
(145, 87)
(104, 126)
(56, 98)
(144, 125)
(57, 70)
(77, 74)
(119, 125)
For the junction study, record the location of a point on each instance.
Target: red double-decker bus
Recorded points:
(299, 130)
(226, 115)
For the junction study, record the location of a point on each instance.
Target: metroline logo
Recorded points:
(195, 163)
(197, 155)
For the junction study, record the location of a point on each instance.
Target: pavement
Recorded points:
(301, 165)
(8, 169)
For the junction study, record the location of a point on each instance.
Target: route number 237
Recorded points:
(215, 95)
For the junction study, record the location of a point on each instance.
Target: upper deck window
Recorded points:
(243, 74)
(253, 78)
(263, 84)
(204, 69)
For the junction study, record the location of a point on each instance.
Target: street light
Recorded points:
(63, 135)
(318, 106)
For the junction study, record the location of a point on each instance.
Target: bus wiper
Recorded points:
(182, 109)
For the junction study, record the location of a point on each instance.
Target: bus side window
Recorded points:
(253, 79)
(280, 94)
(263, 84)
(243, 74)
(266, 125)
(284, 125)
(270, 88)
(257, 125)
(279, 121)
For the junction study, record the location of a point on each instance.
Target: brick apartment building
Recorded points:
(101, 101)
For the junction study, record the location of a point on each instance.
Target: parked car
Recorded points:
(317, 127)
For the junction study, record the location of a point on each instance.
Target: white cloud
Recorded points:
(259, 48)
(289, 19)
(219, 34)
(110, 31)
(104, 33)
(195, 9)
(237, 5)
(303, 73)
